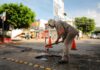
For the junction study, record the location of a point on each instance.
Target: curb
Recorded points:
(26, 63)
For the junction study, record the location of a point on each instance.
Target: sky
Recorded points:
(73, 8)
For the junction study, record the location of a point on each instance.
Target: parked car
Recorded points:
(94, 36)
(98, 36)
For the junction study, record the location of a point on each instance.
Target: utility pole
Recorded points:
(2, 31)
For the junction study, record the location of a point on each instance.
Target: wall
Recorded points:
(16, 32)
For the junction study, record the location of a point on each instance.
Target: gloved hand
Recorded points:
(56, 42)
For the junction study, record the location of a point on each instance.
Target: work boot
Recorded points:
(64, 60)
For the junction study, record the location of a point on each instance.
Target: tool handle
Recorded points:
(52, 44)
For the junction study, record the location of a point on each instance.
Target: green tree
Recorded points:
(86, 25)
(18, 15)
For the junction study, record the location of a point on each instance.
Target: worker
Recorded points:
(67, 33)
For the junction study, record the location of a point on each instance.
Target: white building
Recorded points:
(58, 9)
(42, 24)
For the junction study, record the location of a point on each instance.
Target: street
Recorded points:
(22, 56)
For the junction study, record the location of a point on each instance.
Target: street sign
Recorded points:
(3, 16)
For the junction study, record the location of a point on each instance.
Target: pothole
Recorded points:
(45, 57)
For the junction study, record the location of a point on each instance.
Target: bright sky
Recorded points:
(73, 8)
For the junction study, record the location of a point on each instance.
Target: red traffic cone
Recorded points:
(73, 45)
(49, 42)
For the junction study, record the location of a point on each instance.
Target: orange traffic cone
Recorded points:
(73, 45)
(49, 42)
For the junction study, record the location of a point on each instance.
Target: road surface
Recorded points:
(22, 56)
